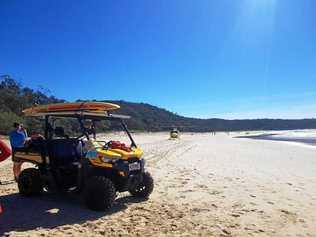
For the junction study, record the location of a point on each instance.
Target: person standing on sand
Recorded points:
(18, 140)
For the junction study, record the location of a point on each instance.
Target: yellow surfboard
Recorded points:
(77, 106)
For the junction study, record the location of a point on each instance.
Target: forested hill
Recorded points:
(145, 117)
(152, 118)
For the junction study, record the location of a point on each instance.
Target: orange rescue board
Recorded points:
(78, 106)
(5, 151)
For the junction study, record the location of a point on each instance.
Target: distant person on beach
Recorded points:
(90, 128)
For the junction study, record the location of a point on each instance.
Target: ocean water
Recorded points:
(307, 136)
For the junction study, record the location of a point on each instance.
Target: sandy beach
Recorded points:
(204, 186)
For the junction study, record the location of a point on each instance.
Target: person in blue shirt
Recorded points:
(18, 140)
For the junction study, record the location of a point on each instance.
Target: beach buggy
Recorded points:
(174, 134)
(81, 164)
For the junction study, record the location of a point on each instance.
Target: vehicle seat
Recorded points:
(60, 132)
(63, 152)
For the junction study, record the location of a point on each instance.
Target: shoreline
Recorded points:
(308, 141)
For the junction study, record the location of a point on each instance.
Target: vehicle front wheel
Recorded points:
(145, 188)
(99, 193)
(30, 182)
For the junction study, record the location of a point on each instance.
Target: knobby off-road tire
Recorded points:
(145, 188)
(99, 193)
(30, 183)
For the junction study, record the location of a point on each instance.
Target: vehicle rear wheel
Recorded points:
(145, 188)
(99, 193)
(30, 182)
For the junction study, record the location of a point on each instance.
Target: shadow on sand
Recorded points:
(49, 211)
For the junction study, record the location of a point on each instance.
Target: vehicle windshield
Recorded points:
(70, 127)
(99, 130)
(111, 130)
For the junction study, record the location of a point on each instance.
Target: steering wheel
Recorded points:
(80, 137)
(107, 145)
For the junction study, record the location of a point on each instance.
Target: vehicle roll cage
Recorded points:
(91, 116)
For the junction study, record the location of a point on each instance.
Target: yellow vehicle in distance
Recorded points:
(80, 163)
(174, 134)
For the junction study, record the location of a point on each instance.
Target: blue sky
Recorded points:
(199, 58)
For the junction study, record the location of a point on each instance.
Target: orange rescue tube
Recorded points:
(5, 151)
